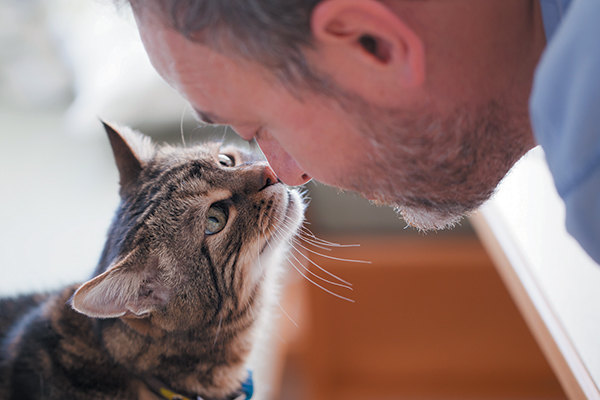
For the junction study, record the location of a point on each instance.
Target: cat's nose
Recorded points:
(269, 177)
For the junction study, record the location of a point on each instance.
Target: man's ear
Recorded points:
(366, 40)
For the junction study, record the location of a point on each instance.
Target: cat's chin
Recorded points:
(290, 217)
(295, 209)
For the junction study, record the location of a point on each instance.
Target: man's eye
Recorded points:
(226, 160)
(204, 118)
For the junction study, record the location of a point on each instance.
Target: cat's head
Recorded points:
(194, 237)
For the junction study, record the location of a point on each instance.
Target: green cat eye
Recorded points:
(226, 160)
(215, 220)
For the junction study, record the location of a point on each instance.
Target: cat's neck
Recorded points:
(152, 388)
(189, 362)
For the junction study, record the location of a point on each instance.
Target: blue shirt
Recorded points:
(565, 112)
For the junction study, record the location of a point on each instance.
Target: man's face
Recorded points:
(301, 137)
(432, 167)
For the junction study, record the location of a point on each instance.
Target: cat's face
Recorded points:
(193, 239)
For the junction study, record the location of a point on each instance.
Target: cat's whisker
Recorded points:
(309, 237)
(274, 232)
(305, 231)
(287, 315)
(315, 244)
(324, 255)
(263, 273)
(181, 125)
(332, 257)
(344, 284)
(322, 246)
(316, 284)
(195, 130)
(225, 127)
(218, 330)
(281, 225)
(319, 286)
(260, 266)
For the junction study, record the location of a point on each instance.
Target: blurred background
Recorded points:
(429, 317)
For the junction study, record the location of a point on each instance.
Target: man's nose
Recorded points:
(283, 164)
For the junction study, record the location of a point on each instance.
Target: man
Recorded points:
(419, 104)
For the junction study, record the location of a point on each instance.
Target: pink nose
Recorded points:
(269, 177)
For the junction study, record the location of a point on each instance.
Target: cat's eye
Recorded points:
(216, 219)
(226, 160)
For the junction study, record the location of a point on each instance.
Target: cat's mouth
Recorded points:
(288, 207)
(286, 221)
(293, 212)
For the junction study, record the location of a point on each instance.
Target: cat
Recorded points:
(173, 306)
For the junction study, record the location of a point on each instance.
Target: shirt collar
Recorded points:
(553, 12)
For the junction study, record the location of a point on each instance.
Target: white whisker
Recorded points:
(334, 258)
(306, 231)
(224, 133)
(345, 284)
(218, 330)
(287, 315)
(317, 276)
(263, 274)
(317, 285)
(181, 125)
(312, 243)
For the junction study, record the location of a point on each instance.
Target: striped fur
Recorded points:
(167, 299)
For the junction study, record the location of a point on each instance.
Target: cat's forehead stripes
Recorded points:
(177, 179)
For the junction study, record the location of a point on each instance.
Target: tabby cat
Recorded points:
(173, 307)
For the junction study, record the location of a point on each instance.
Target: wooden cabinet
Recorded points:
(431, 320)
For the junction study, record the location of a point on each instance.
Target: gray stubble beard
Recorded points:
(433, 170)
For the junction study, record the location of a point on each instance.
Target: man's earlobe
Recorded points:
(368, 32)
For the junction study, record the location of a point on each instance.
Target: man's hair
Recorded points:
(273, 33)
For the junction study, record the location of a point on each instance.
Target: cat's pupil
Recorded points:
(226, 160)
(215, 220)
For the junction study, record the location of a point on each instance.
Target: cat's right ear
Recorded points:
(128, 163)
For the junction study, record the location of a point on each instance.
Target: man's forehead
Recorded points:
(156, 34)
(177, 59)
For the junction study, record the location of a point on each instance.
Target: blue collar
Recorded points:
(245, 392)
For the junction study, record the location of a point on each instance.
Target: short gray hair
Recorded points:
(273, 33)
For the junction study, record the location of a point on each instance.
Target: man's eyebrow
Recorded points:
(208, 117)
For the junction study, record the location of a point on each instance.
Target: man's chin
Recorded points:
(427, 220)
(424, 218)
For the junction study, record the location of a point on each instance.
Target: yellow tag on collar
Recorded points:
(167, 394)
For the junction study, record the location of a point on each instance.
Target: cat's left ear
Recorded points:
(120, 291)
(131, 150)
